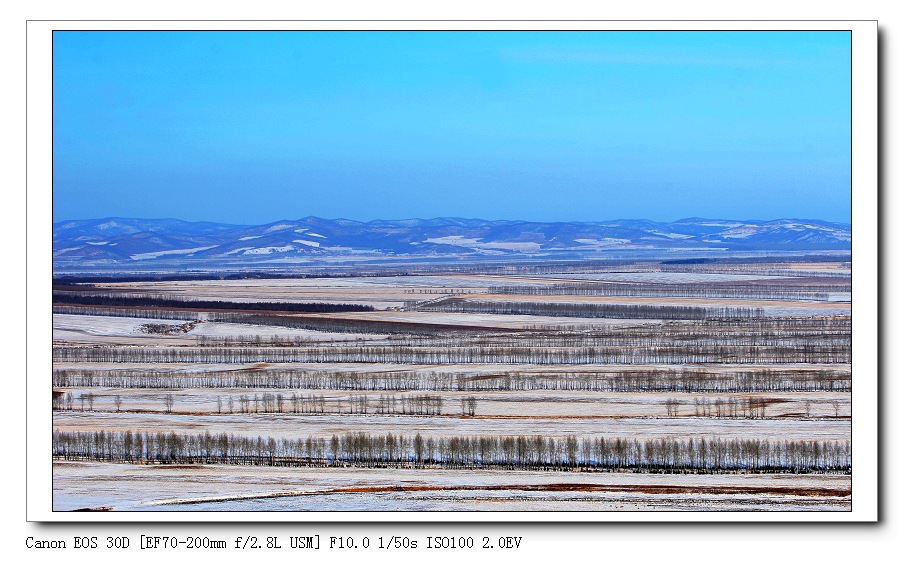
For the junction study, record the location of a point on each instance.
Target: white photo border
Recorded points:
(865, 266)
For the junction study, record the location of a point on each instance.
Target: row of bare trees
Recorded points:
(727, 407)
(805, 352)
(683, 290)
(126, 312)
(146, 300)
(624, 336)
(591, 310)
(633, 336)
(639, 380)
(522, 452)
(772, 270)
(269, 402)
(294, 403)
(291, 403)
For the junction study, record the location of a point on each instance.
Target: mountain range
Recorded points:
(122, 240)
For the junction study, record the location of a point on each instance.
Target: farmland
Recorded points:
(637, 386)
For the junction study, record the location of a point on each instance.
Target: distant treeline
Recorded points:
(639, 380)
(294, 403)
(537, 452)
(591, 310)
(676, 352)
(75, 298)
(809, 258)
(762, 332)
(743, 269)
(148, 313)
(87, 280)
(686, 290)
(693, 333)
(753, 340)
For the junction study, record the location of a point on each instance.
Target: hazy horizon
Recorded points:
(365, 221)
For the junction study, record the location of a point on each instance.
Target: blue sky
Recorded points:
(253, 127)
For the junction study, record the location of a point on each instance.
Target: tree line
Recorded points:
(634, 380)
(684, 290)
(75, 280)
(154, 301)
(794, 350)
(759, 332)
(537, 452)
(591, 310)
(744, 269)
(148, 313)
(690, 334)
(294, 403)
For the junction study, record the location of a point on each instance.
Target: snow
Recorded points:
(741, 232)
(602, 242)
(269, 250)
(453, 240)
(88, 328)
(308, 243)
(277, 227)
(243, 238)
(477, 244)
(64, 250)
(94, 484)
(315, 234)
(151, 255)
(292, 426)
(99, 243)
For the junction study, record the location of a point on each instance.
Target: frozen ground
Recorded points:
(125, 487)
(536, 405)
(115, 330)
(293, 426)
(554, 413)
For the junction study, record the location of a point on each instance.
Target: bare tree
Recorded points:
(468, 406)
(671, 407)
(168, 401)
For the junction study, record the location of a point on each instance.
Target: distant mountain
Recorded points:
(129, 241)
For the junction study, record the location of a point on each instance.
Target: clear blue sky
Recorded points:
(253, 127)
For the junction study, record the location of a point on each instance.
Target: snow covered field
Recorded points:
(743, 392)
(127, 487)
